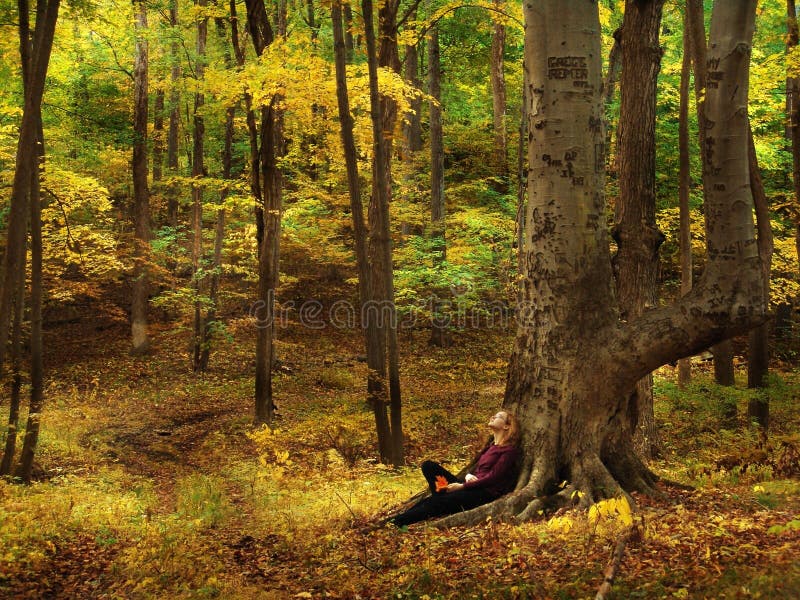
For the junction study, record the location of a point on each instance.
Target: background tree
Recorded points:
(141, 194)
(636, 231)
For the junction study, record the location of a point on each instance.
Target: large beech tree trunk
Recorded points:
(140, 341)
(574, 362)
(723, 349)
(636, 232)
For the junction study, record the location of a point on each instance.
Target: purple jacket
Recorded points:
(495, 470)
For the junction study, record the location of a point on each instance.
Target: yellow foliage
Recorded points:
(612, 510)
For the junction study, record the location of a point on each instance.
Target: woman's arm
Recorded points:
(501, 470)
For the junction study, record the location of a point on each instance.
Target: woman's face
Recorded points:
(499, 421)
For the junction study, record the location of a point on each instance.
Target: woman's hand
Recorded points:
(454, 487)
(470, 477)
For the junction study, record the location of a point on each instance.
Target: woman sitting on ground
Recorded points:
(493, 476)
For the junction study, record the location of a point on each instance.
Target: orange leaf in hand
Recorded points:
(441, 483)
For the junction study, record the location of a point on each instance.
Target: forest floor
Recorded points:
(154, 484)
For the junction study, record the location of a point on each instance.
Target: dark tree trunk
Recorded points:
(25, 468)
(271, 147)
(723, 363)
(349, 42)
(219, 233)
(158, 135)
(574, 419)
(35, 56)
(412, 127)
(793, 100)
(16, 377)
(174, 119)
(440, 333)
(140, 341)
(758, 341)
(198, 174)
(383, 112)
(684, 181)
(499, 94)
(375, 352)
(636, 232)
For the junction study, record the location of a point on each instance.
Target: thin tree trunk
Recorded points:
(271, 147)
(793, 94)
(25, 468)
(499, 94)
(219, 233)
(16, 377)
(198, 174)
(723, 363)
(412, 126)
(374, 347)
(158, 135)
(636, 232)
(349, 42)
(684, 180)
(140, 340)
(174, 118)
(758, 342)
(35, 58)
(383, 113)
(440, 334)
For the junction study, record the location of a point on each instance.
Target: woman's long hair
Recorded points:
(512, 437)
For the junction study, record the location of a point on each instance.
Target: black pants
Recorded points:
(442, 503)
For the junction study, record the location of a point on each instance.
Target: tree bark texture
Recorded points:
(219, 230)
(574, 361)
(30, 441)
(16, 377)
(174, 118)
(440, 334)
(372, 339)
(35, 55)
(684, 181)
(499, 94)
(412, 127)
(636, 232)
(270, 187)
(522, 172)
(383, 112)
(758, 340)
(158, 135)
(793, 101)
(140, 340)
(198, 174)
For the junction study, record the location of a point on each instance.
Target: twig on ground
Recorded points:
(632, 533)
